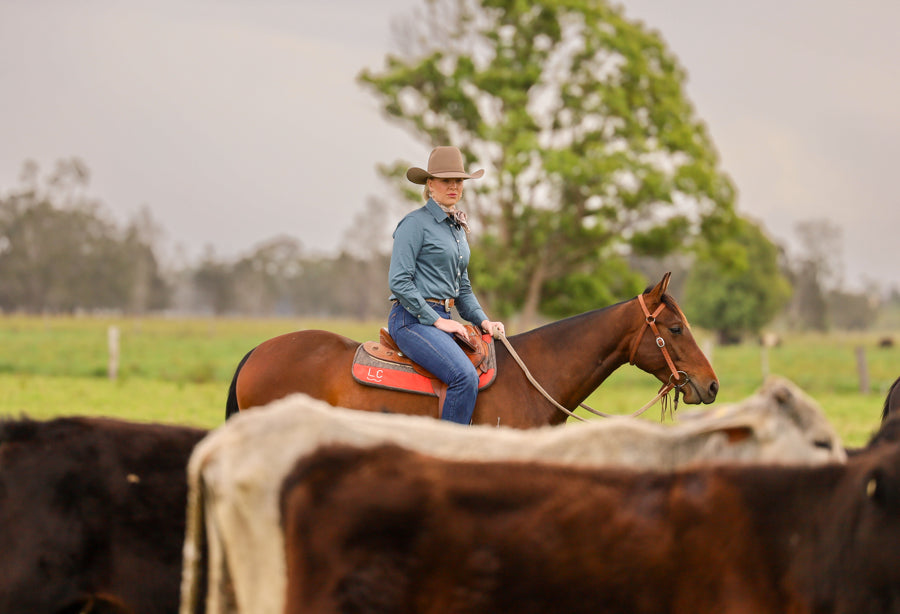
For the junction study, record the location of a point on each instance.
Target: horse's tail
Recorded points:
(231, 404)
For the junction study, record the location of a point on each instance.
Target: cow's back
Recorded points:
(385, 529)
(92, 508)
(388, 530)
(236, 473)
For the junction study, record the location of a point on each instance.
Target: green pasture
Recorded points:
(177, 370)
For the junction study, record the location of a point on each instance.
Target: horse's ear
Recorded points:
(660, 288)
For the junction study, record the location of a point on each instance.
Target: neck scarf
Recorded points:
(456, 216)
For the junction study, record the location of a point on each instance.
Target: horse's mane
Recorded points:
(667, 299)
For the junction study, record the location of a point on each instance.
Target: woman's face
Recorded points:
(446, 191)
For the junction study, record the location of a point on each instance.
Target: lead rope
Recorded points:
(663, 391)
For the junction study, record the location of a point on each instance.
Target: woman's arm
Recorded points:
(407, 243)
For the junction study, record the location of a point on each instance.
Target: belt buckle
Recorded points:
(447, 304)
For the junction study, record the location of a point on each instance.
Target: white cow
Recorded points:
(235, 473)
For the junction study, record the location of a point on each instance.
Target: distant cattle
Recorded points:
(390, 530)
(236, 473)
(770, 340)
(92, 515)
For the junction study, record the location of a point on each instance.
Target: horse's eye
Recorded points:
(675, 330)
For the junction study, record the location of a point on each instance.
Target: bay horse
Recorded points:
(570, 358)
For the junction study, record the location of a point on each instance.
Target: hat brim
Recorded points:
(420, 175)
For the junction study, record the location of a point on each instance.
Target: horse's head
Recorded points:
(663, 345)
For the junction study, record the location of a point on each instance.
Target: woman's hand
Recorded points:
(449, 325)
(495, 329)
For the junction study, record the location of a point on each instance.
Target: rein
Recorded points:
(650, 320)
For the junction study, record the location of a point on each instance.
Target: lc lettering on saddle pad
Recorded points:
(381, 364)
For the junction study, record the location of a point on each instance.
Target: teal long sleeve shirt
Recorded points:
(430, 259)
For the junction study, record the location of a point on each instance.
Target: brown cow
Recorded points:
(235, 474)
(92, 515)
(390, 530)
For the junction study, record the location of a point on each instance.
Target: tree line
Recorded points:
(60, 253)
(602, 175)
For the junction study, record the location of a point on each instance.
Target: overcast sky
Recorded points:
(235, 122)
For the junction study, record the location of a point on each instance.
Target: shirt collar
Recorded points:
(436, 211)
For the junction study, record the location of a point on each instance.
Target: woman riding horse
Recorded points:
(570, 358)
(429, 275)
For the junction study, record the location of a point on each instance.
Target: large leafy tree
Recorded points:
(592, 148)
(738, 289)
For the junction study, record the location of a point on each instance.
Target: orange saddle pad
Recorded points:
(382, 365)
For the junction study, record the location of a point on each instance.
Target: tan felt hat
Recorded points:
(444, 163)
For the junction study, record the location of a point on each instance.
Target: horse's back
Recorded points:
(315, 362)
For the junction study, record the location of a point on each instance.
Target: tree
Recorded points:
(213, 282)
(147, 288)
(816, 271)
(593, 149)
(365, 256)
(852, 310)
(809, 310)
(821, 246)
(59, 252)
(740, 288)
(266, 278)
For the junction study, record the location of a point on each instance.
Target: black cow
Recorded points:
(389, 530)
(92, 515)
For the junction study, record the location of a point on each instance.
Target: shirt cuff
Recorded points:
(428, 318)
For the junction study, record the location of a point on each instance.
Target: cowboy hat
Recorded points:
(444, 163)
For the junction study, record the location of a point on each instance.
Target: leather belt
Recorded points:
(446, 302)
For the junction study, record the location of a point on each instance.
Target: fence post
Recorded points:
(112, 342)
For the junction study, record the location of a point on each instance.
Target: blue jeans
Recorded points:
(436, 351)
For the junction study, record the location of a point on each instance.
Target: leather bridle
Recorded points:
(650, 320)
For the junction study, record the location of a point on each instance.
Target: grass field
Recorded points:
(178, 370)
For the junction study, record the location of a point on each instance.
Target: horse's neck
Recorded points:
(577, 354)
